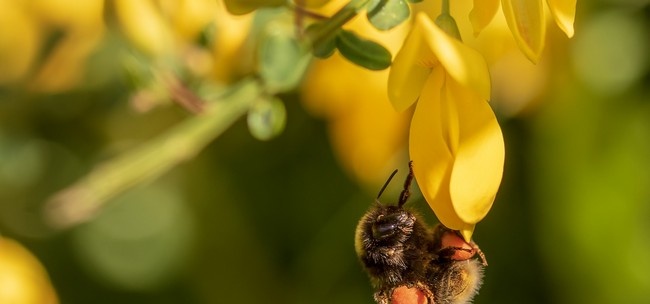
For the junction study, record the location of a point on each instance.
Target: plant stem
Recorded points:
(83, 199)
(334, 24)
(445, 8)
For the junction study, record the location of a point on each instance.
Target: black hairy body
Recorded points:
(398, 249)
(397, 259)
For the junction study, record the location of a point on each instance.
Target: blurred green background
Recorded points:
(248, 221)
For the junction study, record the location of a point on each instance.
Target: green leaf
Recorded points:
(325, 48)
(267, 118)
(362, 52)
(387, 14)
(282, 60)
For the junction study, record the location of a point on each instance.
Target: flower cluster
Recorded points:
(455, 141)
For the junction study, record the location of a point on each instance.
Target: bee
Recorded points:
(398, 249)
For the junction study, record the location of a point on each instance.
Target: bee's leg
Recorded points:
(480, 254)
(404, 196)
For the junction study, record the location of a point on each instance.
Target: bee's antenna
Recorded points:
(386, 184)
(407, 184)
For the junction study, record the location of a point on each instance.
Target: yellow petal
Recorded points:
(478, 164)
(461, 62)
(467, 232)
(189, 18)
(70, 13)
(563, 12)
(65, 66)
(409, 70)
(526, 22)
(19, 42)
(230, 36)
(430, 152)
(22, 277)
(482, 13)
(143, 24)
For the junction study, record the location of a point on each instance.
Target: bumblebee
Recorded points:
(398, 249)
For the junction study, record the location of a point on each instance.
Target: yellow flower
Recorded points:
(19, 42)
(455, 140)
(526, 19)
(22, 277)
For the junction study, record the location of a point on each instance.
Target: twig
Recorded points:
(80, 201)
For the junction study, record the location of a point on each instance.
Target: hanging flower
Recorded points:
(455, 140)
(527, 20)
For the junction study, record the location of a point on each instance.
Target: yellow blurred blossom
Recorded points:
(23, 280)
(28, 24)
(517, 82)
(367, 134)
(144, 25)
(19, 41)
(455, 140)
(527, 20)
(161, 28)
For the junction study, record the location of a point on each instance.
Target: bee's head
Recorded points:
(387, 225)
(384, 228)
(391, 223)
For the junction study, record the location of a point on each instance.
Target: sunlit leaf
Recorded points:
(387, 14)
(282, 61)
(365, 53)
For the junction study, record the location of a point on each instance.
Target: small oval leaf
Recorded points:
(387, 14)
(362, 52)
(267, 118)
(282, 61)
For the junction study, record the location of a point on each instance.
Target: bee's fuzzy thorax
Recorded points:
(398, 249)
